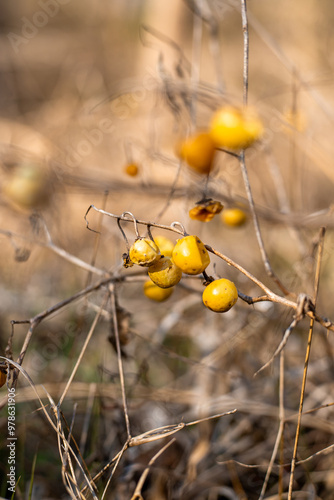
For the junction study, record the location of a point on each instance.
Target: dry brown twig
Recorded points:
(307, 358)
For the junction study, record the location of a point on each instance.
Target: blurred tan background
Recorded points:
(89, 86)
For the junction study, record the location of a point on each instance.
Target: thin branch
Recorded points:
(246, 50)
(196, 59)
(307, 358)
(116, 460)
(256, 224)
(119, 358)
(271, 295)
(137, 493)
(280, 427)
(127, 219)
(83, 350)
(281, 346)
(242, 162)
(57, 250)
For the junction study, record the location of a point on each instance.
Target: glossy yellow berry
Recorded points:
(144, 252)
(131, 169)
(155, 292)
(234, 217)
(190, 255)
(235, 129)
(28, 187)
(165, 245)
(220, 295)
(198, 152)
(165, 273)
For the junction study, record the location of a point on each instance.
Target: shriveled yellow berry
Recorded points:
(198, 152)
(165, 245)
(165, 273)
(131, 169)
(205, 210)
(234, 217)
(144, 252)
(28, 187)
(220, 295)
(235, 129)
(190, 255)
(155, 292)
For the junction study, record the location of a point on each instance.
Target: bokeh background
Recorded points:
(88, 87)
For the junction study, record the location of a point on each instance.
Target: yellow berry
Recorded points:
(220, 295)
(144, 252)
(235, 129)
(155, 292)
(131, 169)
(234, 217)
(198, 152)
(165, 273)
(190, 255)
(165, 245)
(28, 187)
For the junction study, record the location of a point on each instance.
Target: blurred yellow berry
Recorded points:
(28, 187)
(144, 252)
(234, 217)
(235, 129)
(165, 245)
(155, 292)
(190, 255)
(220, 295)
(131, 169)
(198, 152)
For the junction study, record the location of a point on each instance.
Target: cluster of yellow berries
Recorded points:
(167, 262)
(231, 128)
